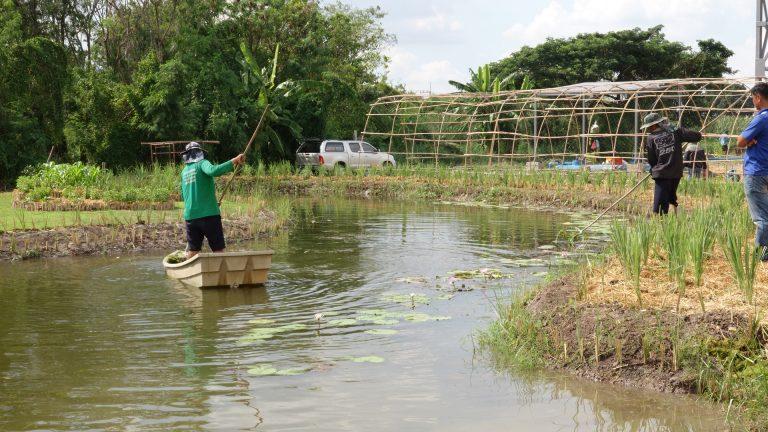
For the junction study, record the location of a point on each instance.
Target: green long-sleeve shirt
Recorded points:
(198, 189)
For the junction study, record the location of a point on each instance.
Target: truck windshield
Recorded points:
(309, 147)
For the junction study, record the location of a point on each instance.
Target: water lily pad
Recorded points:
(422, 317)
(381, 331)
(291, 327)
(291, 371)
(261, 321)
(368, 359)
(417, 317)
(342, 322)
(258, 334)
(262, 370)
(445, 297)
(484, 273)
(384, 321)
(547, 247)
(406, 298)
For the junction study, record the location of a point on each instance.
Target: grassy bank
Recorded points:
(675, 304)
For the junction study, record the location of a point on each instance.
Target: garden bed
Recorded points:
(58, 203)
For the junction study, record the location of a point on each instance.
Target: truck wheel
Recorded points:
(340, 165)
(387, 164)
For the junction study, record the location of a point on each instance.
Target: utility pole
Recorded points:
(761, 37)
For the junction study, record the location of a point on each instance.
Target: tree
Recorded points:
(626, 55)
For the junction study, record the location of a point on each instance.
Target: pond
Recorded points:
(109, 343)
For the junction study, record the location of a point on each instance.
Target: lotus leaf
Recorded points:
(261, 321)
(262, 370)
(291, 371)
(343, 322)
(406, 298)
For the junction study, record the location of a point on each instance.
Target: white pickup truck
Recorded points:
(342, 154)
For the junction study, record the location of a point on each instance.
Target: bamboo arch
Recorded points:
(543, 124)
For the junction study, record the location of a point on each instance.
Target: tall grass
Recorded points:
(632, 246)
(701, 231)
(741, 254)
(674, 232)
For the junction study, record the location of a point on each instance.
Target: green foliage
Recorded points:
(624, 55)
(79, 181)
(741, 254)
(631, 244)
(93, 81)
(481, 82)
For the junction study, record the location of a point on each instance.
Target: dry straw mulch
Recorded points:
(720, 292)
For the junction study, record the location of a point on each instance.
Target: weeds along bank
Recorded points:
(509, 185)
(76, 209)
(674, 304)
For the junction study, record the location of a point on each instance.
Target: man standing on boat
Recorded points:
(664, 151)
(201, 211)
(755, 139)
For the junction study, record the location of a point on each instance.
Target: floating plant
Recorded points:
(407, 299)
(261, 321)
(342, 322)
(262, 370)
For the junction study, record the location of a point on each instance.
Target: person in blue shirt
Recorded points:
(755, 139)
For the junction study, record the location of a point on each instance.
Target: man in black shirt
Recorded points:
(664, 151)
(695, 160)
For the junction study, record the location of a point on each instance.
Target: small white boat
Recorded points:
(222, 269)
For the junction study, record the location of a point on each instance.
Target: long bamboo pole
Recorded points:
(581, 231)
(248, 147)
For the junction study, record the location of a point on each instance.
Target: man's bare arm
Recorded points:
(743, 143)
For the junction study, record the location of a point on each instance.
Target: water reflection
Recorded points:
(106, 343)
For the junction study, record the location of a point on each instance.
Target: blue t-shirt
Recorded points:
(756, 156)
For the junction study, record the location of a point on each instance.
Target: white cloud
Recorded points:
(421, 76)
(682, 19)
(438, 21)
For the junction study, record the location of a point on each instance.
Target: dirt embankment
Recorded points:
(93, 240)
(636, 347)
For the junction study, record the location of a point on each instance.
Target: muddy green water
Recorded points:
(108, 343)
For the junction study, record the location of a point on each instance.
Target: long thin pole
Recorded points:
(614, 204)
(253, 137)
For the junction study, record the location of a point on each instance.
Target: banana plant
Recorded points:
(480, 82)
(273, 96)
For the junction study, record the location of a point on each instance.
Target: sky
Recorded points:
(439, 40)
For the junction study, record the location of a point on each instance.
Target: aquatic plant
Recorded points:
(674, 235)
(701, 238)
(743, 258)
(632, 246)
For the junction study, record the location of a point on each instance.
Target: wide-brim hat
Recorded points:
(189, 153)
(652, 119)
(193, 146)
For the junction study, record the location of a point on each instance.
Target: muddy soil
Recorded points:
(93, 240)
(636, 347)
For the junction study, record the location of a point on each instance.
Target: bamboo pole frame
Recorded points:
(544, 124)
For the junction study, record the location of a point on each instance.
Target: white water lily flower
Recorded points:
(318, 316)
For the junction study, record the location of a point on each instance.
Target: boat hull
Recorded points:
(223, 269)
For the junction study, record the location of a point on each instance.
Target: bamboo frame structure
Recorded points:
(543, 125)
(171, 149)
